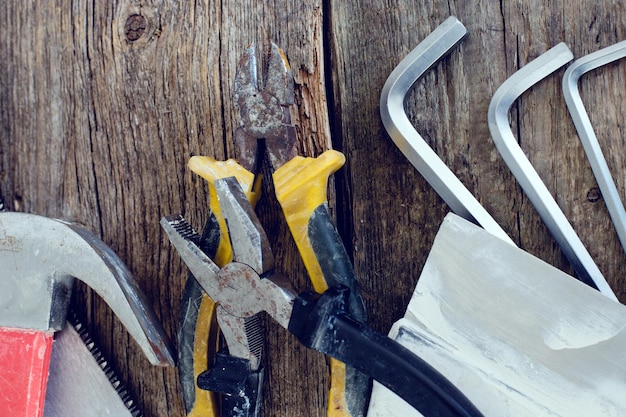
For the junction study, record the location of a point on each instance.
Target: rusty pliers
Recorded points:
(301, 188)
(239, 280)
(249, 285)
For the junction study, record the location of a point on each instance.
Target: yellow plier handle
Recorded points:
(301, 189)
(199, 332)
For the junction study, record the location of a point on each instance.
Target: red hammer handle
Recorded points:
(24, 363)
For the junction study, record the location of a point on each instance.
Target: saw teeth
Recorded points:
(105, 365)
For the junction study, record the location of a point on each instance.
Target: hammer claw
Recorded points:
(36, 251)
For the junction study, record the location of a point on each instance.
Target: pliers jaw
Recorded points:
(248, 238)
(237, 288)
(264, 110)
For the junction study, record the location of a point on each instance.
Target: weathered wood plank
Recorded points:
(394, 212)
(101, 105)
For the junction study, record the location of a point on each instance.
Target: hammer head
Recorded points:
(39, 257)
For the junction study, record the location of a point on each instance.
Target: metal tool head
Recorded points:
(430, 51)
(588, 138)
(244, 292)
(248, 238)
(236, 322)
(250, 244)
(237, 288)
(39, 257)
(506, 143)
(263, 110)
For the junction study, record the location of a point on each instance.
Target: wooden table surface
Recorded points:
(102, 103)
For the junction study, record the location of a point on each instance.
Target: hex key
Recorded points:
(587, 135)
(573, 249)
(430, 51)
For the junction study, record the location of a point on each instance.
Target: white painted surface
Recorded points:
(517, 336)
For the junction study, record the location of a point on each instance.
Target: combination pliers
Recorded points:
(249, 285)
(235, 278)
(300, 185)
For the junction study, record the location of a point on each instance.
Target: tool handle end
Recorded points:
(25, 358)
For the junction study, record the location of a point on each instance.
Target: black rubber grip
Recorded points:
(334, 260)
(338, 270)
(239, 385)
(321, 323)
(191, 300)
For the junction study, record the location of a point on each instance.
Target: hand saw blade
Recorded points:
(82, 382)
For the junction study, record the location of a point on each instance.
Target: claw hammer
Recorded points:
(39, 258)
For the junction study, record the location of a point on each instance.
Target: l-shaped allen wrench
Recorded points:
(425, 55)
(571, 245)
(430, 51)
(588, 137)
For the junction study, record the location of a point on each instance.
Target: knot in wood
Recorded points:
(594, 194)
(135, 26)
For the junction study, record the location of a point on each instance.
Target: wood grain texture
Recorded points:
(102, 104)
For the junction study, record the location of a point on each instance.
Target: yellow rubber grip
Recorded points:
(205, 345)
(301, 186)
(212, 170)
(206, 336)
(337, 406)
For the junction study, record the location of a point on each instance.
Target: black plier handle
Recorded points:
(198, 336)
(321, 322)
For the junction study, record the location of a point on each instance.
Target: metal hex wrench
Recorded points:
(430, 51)
(588, 137)
(529, 75)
